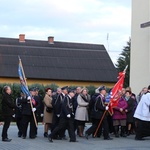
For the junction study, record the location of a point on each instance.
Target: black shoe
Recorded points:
(45, 135)
(50, 138)
(108, 138)
(123, 135)
(58, 138)
(86, 136)
(139, 139)
(32, 137)
(117, 135)
(64, 138)
(128, 133)
(19, 134)
(6, 140)
(73, 141)
(24, 137)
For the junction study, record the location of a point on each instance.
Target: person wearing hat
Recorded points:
(18, 113)
(8, 107)
(27, 113)
(66, 118)
(58, 99)
(91, 109)
(99, 109)
(39, 106)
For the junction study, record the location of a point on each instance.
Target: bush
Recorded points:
(91, 89)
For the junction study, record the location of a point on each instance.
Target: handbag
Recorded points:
(49, 110)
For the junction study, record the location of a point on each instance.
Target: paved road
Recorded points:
(41, 143)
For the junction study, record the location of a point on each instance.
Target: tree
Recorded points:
(123, 61)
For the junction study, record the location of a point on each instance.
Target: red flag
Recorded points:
(116, 92)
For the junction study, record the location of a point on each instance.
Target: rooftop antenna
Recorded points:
(107, 42)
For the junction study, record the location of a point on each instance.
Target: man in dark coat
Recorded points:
(18, 113)
(27, 113)
(57, 107)
(39, 105)
(8, 108)
(66, 118)
(99, 109)
(92, 110)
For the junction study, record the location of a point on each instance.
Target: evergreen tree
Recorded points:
(123, 61)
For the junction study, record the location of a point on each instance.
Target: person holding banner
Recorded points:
(27, 113)
(99, 109)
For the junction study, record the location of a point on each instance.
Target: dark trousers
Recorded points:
(95, 121)
(63, 123)
(104, 125)
(25, 121)
(55, 123)
(143, 129)
(7, 120)
(94, 126)
(19, 125)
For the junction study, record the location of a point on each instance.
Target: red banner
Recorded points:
(116, 92)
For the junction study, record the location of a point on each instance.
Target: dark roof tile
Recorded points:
(59, 61)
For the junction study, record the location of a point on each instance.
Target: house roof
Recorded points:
(58, 61)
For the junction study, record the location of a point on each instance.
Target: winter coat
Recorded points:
(18, 112)
(130, 110)
(82, 108)
(117, 114)
(26, 107)
(57, 103)
(8, 105)
(67, 107)
(98, 107)
(47, 103)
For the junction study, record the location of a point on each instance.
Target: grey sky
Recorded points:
(85, 21)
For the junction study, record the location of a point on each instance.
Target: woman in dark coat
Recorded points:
(129, 110)
(8, 107)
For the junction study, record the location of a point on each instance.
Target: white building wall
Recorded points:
(140, 46)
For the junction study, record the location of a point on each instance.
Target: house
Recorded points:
(62, 63)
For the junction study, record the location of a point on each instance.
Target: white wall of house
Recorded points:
(140, 46)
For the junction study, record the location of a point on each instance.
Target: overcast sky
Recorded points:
(105, 22)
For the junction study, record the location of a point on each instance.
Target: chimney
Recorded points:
(21, 37)
(51, 40)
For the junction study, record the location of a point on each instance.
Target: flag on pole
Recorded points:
(24, 87)
(116, 91)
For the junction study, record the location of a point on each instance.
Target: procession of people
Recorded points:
(70, 109)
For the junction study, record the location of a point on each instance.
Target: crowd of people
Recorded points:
(68, 109)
